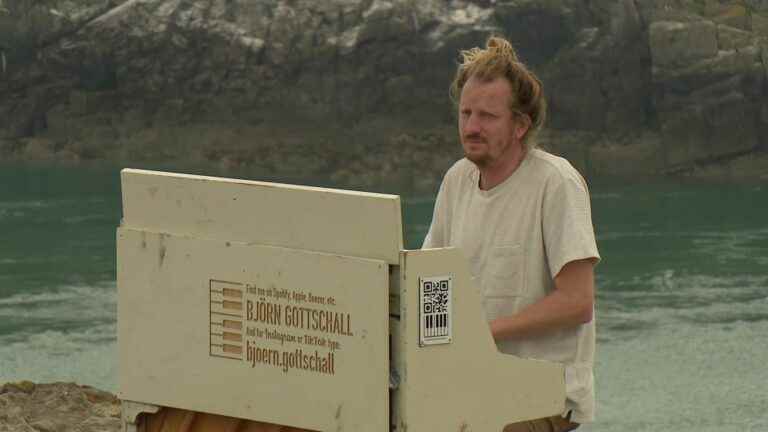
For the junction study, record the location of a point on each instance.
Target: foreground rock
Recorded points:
(346, 89)
(60, 407)
(68, 407)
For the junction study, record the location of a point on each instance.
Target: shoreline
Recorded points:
(392, 169)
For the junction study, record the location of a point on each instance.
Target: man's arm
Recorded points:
(568, 305)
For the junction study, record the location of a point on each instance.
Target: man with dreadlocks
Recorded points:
(522, 218)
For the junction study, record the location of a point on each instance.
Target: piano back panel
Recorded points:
(348, 223)
(466, 384)
(255, 332)
(196, 254)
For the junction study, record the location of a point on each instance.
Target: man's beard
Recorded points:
(481, 161)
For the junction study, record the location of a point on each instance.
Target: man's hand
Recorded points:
(569, 305)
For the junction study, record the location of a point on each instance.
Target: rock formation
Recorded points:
(356, 90)
(60, 407)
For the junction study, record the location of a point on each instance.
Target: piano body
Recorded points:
(245, 305)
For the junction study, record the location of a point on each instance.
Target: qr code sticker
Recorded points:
(435, 319)
(436, 296)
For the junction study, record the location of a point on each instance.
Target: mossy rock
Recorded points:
(640, 158)
(730, 38)
(750, 167)
(21, 386)
(676, 43)
(760, 25)
(38, 149)
(734, 15)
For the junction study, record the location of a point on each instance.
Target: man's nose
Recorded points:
(471, 125)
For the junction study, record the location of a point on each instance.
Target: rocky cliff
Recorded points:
(356, 90)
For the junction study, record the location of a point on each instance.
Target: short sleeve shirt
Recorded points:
(517, 237)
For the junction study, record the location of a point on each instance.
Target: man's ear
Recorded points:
(522, 124)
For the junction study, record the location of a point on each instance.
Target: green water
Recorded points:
(682, 292)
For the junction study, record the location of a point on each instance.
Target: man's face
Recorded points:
(489, 132)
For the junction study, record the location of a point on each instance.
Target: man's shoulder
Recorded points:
(462, 168)
(554, 168)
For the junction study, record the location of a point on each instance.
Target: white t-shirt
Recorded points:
(516, 237)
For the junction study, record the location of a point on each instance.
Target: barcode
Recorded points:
(435, 308)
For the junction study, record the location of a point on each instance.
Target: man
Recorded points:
(522, 218)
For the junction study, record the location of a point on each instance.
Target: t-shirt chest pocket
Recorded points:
(504, 271)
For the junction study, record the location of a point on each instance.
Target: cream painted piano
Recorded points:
(256, 304)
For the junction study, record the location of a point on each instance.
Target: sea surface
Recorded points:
(682, 292)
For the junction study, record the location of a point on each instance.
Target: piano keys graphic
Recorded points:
(226, 318)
